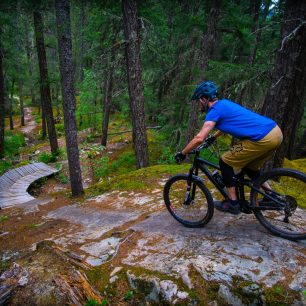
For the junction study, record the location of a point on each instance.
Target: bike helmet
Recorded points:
(206, 89)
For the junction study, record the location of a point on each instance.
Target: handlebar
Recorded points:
(207, 143)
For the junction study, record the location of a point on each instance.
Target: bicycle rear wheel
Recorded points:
(285, 214)
(192, 208)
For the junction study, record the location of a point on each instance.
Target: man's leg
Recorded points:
(230, 205)
(229, 180)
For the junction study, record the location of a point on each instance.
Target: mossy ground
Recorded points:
(144, 179)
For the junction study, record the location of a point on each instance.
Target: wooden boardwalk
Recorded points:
(15, 183)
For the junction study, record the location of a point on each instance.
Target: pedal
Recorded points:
(246, 210)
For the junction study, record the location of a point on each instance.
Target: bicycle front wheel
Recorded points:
(285, 214)
(189, 202)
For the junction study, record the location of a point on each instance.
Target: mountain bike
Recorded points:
(277, 198)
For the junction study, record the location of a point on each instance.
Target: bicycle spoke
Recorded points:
(190, 204)
(286, 196)
(192, 211)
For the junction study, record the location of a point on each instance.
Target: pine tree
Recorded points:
(62, 8)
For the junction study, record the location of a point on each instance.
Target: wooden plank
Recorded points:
(15, 183)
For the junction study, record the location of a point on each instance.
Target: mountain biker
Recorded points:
(258, 136)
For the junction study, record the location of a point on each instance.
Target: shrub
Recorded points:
(166, 157)
(63, 178)
(4, 165)
(46, 157)
(12, 142)
(100, 167)
(60, 129)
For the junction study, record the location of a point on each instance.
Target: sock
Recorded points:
(234, 202)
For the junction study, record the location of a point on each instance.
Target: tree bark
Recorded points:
(208, 46)
(29, 45)
(135, 85)
(20, 93)
(284, 100)
(108, 88)
(256, 10)
(2, 101)
(44, 82)
(256, 31)
(43, 117)
(11, 106)
(301, 148)
(210, 37)
(62, 8)
(82, 45)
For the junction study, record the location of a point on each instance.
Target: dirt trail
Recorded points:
(30, 123)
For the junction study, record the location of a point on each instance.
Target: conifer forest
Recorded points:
(98, 94)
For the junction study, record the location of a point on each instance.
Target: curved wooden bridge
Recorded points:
(15, 183)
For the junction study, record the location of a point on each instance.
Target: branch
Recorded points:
(274, 85)
(291, 35)
(128, 131)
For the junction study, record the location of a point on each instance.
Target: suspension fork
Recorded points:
(193, 170)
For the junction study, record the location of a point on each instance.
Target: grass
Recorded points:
(297, 164)
(3, 218)
(5, 165)
(138, 180)
(62, 178)
(47, 157)
(13, 142)
(95, 303)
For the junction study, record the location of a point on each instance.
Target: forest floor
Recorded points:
(118, 245)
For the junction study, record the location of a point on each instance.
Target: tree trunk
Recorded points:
(62, 8)
(44, 82)
(20, 87)
(301, 148)
(11, 106)
(108, 91)
(57, 103)
(284, 100)
(43, 117)
(29, 45)
(2, 99)
(208, 46)
(82, 49)
(210, 37)
(256, 10)
(135, 85)
(256, 31)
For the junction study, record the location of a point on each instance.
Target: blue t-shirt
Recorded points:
(234, 119)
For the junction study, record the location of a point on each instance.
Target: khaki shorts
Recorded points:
(253, 154)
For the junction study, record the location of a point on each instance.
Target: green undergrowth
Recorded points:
(143, 179)
(106, 166)
(278, 295)
(5, 165)
(31, 149)
(13, 143)
(297, 164)
(121, 288)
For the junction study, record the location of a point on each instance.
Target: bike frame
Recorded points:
(200, 163)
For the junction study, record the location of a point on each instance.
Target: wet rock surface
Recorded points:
(233, 258)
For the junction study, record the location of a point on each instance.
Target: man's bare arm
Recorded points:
(200, 137)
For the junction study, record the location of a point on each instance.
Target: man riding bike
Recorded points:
(259, 137)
